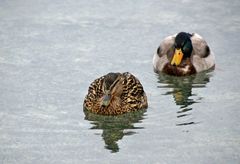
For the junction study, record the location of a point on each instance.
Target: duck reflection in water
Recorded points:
(181, 90)
(115, 127)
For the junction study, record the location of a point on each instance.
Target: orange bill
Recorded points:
(177, 57)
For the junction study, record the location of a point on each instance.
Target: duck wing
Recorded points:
(202, 57)
(166, 46)
(200, 46)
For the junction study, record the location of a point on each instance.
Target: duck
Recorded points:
(115, 94)
(183, 54)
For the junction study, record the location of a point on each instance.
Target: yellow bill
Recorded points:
(177, 58)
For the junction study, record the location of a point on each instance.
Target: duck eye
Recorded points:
(185, 49)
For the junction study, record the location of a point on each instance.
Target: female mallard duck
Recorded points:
(183, 54)
(115, 93)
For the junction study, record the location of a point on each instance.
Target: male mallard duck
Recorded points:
(115, 93)
(183, 54)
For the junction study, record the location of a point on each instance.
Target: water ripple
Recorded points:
(181, 90)
(114, 128)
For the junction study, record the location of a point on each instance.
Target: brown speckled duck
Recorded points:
(114, 94)
(183, 54)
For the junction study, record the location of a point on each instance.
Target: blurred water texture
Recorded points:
(51, 51)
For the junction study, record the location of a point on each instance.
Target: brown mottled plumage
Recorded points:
(114, 94)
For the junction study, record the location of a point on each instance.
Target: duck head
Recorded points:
(180, 63)
(112, 88)
(183, 49)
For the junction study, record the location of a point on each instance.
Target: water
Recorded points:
(51, 51)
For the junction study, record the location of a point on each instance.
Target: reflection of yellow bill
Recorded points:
(179, 97)
(177, 58)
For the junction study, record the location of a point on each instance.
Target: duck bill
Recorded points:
(177, 57)
(106, 100)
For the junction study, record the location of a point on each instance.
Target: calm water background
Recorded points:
(50, 51)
